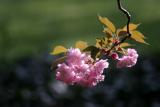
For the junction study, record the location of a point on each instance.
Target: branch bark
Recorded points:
(120, 7)
(128, 17)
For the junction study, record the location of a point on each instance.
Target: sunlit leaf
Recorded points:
(109, 41)
(58, 61)
(101, 43)
(131, 27)
(98, 45)
(138, 34)
(108, 32)
(81, 45)
(58, 49)
(125, 45)
(108, 23)
(139, 39)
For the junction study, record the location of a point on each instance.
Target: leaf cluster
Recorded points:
(111, 42)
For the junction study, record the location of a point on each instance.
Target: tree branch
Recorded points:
(128, 17)
(120, 7)
(127, 14)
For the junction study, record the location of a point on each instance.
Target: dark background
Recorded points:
(29, 29)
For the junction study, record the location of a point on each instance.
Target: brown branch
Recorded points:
(127, 14)
(120, 7)
(129, 19)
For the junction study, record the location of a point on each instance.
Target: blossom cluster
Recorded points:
(84, 64)
(128, 60)
(80, 69)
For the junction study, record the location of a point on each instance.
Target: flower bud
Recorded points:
(114, 56)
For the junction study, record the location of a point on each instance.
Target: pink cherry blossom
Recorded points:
(128, 60)
(65, 73)
(80, 69)
(94, 74)
(75, 57)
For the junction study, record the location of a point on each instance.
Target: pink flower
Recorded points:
(128, 60)
(75, 57)
(94, 74)
(65, 73)
(80, 69)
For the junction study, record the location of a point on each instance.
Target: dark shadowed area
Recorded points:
(29, 29)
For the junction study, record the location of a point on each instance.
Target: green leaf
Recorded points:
(94, 51)
(89, 48)
(58, 61)
(108, 23)
(58, 50)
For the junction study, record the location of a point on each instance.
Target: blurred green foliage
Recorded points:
(33, 27)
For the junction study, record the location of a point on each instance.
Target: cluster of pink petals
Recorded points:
(80, 69)
(128, 60)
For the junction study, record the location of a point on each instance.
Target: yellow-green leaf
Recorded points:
(108, 32)
(124, 45)
(97, 43)
(135, 32)
(58, 49)
(138, 39)
(131, 27)
(108, 23)
(81, 45)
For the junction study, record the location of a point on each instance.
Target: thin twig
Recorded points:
(129, 19)
(120, 7)
(127, 14)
